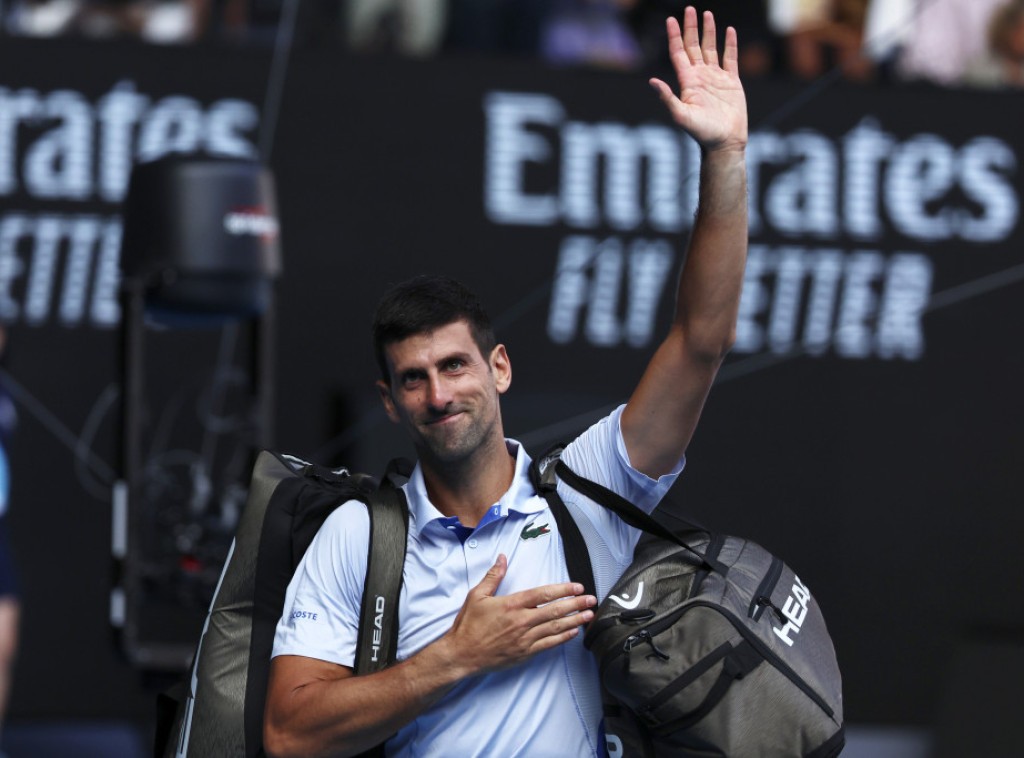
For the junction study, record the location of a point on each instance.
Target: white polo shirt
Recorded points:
(548, 706)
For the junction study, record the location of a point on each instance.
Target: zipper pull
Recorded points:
(766, 602)
(644, 636)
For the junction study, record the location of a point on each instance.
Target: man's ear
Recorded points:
(385, 397)
(501, 368)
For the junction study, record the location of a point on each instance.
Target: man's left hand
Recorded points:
(711, 105)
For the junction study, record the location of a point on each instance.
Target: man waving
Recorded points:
(490, 661)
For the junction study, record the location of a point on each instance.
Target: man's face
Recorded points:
(444, 392)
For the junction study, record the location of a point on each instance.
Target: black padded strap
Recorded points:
(740, 661)
(577, 556)
(377, 645)
(629, 513)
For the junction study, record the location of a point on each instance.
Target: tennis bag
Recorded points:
(708, 645)
(217, 711)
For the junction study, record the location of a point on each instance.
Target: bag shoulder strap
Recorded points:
(551, 467)
(632, 515)
(577, 557)
(377, 636)
(377, 643)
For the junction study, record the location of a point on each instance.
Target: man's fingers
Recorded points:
(691, 42)
(676, 52)
(675, 106)
(562, 608)
(554, 640)
(494, 632)
(675, 36)
(709, 42)
(565, 624)
(731, 59)
(545, 594)
(559, 630)
(556, 618)
(663, 90)
(489, 584)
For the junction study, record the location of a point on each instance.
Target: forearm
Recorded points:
(712, 277)
(348, 715)
(662, 413)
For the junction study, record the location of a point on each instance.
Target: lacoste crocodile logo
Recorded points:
(625, 602)
(532, 532)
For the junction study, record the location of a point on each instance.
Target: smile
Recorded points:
(448, 417)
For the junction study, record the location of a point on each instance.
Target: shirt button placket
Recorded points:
(477, 561)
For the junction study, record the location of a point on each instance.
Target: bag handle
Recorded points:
(630, 514)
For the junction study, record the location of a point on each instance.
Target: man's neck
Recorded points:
(469, 487)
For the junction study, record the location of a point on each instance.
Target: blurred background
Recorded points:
(866, 427)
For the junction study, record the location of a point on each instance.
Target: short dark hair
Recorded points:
(425, 303)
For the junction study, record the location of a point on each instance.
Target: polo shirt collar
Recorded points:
(520, 497)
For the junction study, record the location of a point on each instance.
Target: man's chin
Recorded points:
(449, 449)
(451, 442)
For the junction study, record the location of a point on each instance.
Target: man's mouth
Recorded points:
(443, 419)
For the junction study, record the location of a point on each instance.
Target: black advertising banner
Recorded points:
(865, 425)
(74, 118)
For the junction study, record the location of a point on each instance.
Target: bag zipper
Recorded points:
(765, 589)
(646, 634)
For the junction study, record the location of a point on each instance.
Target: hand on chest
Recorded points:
(441, 569)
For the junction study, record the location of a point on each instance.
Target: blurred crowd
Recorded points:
(949, 42)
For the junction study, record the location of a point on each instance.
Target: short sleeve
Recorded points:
(599, 454)
(321, 608)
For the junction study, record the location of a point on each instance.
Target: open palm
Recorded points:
(711, 105)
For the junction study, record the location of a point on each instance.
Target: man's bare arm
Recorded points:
(315, 708)
(662, 413)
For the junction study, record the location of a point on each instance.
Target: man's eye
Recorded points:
(454, 365)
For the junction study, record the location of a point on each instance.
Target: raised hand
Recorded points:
(711, 105)
(493, 632)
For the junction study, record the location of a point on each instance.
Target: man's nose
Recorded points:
(439, 394)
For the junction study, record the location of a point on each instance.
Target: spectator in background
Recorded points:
(41, 18)
(1002, 64)
(156, 21)
(886, 27)
(410, 27)
(589, 32)
(942, 38)
(820, 34)
(161, 22)
(570, 32)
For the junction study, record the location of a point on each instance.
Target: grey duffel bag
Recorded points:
(709, 646)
